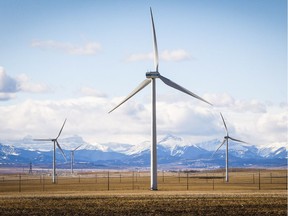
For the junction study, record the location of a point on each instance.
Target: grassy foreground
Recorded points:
(145, 203)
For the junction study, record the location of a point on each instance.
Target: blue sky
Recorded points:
(74, 58)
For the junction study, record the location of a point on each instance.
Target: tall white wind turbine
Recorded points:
(72, 157)
(151, 77)
(226, 138)
(55, 142)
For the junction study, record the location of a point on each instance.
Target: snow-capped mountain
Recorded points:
(172, 152)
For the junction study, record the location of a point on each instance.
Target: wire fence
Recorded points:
(136, 180)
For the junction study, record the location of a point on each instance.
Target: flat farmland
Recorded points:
(145, 203)
(127, 180)
(249, 192)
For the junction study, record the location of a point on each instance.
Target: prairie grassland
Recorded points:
(127, 193)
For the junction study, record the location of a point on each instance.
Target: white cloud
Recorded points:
(7, 83)
(89, 48)
(226, 100)
(175, 55)
(166, 55)
(87, 91)
(7, 96)
(273, 126)
(9, 86)
(88, 117)
(26, 85)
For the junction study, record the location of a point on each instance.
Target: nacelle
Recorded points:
(152, 74)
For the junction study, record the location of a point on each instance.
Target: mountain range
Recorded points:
(173, 153)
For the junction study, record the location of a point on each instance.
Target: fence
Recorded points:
(167, 181)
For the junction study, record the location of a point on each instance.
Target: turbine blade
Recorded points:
(156, 58)
(224, 123)
(42, 139)
(61, 129)
(61, 150)
(135, 91)
(219, 147)
(237, 140)
(77, 147)
(180, 88)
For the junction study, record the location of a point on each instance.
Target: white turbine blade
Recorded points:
(61, 129)
(77, 147)
(237, 140)
(42, 139)
(156, 58)
(61, 150)
(180, 88)
(224, 122)
(135, 91)
(219, 147)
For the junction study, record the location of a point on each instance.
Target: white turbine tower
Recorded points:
(72, 158)
(226, 138)
(151, 77)
(55, 142)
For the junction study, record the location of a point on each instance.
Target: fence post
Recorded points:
(162, 175)
(178, 176)
(133, 180)
(19, 182)
(43, 183)
(259, 181)
(108, 183)
(120, 178)
(286, 180)
(187, 181)
(270, 178)
(253, 178)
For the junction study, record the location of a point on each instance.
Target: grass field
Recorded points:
(127, 193)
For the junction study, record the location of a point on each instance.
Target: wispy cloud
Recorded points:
(26, 85)
(89, 48)
(88, 91)
(9, 86)
(166, 55)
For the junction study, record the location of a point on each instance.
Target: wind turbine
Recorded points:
(151, 77)
(226, 138)
(72, 158)
(55, 142)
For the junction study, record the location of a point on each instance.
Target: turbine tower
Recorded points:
(151, 77)
(55, 142)
(226, 138)
(72, 158)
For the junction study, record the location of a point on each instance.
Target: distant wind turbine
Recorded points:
(55, 142)
(151, 77)
(226, 138)
(72, 158)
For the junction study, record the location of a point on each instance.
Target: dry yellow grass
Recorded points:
(179, 194)
(102, 181)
